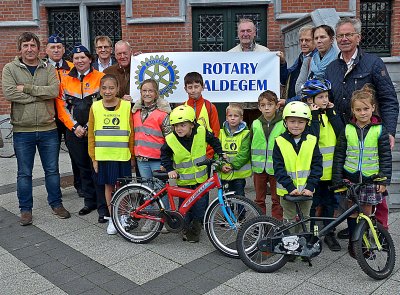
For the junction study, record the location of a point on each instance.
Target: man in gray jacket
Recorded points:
(32, 85)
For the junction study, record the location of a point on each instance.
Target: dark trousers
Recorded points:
(323, 202)
(78, 151)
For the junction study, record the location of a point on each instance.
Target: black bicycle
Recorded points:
(6, 138)
(265, 244)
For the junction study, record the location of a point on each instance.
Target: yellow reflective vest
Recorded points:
(185, 161)
(326, 143)
(297, 166)
(203, 118)
(261, 150)
(111, 132)
(362, 155)
(231, 146)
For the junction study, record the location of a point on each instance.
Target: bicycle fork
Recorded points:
(373, 231)
(226, 209)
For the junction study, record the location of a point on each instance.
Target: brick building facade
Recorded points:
(167, 25)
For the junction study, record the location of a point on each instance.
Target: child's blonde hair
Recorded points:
(235, 107)
(367, 92)
(268, 95)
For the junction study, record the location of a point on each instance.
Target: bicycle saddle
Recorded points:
(295, 199)
(161, 175)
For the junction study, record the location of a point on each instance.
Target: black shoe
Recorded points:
(103, 219)
(85, 210)
(343, 234)
(332, 243)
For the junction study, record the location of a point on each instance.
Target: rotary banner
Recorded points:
(228, 76)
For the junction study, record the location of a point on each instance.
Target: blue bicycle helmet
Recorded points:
(313, 87)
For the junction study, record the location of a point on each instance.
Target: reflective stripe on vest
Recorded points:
(231, 146)
(362, 155)
(326, 143)
(185, 161)
(111, 132)
(261, 155)
(298, 165)
(148, 134)
(203, 118)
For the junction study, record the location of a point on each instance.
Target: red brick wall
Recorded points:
(12, 10)
(298, 6)
(396, 28)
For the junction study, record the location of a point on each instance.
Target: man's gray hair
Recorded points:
(122, 42)
(354, 21)
(305, 29)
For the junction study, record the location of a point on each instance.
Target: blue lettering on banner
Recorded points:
(235, 85)
(228, 68)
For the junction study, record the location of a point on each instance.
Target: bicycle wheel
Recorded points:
(247, 245)
(221, 235)
(136, 230)
(376, 264)
(7, 150)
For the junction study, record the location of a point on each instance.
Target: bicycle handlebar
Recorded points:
(211, 161)
(376, 178)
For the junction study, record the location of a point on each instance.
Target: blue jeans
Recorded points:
(146, 169)
(47, 143)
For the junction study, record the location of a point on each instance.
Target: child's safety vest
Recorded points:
(185, 161)
(362, 155)
(231, 146)
(111, 132)
(297, 166)
(326, 143)
(261, 150)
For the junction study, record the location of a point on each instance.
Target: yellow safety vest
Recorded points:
(231, 146)
(297, 166)
(261, 150)
(185, 161)
(326, 143)
(203, 118)
(111, 132)
(362, 156)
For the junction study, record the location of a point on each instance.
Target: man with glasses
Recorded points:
(351, 71)
(104, 59)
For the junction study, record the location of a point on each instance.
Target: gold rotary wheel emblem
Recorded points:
(161, 70)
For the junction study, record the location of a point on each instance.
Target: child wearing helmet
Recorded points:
(326, 125)
(186, 145)
(297, 160)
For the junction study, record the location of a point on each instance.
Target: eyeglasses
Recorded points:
(103, 47)
(347, 35)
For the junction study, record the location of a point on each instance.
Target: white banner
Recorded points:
(228, 76)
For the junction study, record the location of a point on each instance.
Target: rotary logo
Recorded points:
(161, 70)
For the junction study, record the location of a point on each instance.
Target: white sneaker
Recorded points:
(147, 226)
(111, 230)
(164, 230)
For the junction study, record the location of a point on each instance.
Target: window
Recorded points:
(375, 18)
(215, 29)
(102, 20)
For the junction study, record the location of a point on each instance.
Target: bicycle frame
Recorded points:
(190, 196)
(335, 222)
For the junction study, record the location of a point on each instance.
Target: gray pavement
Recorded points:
(76, 256)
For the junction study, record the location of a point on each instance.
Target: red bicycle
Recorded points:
(140, 200)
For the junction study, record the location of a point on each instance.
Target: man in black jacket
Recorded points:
(351, 71)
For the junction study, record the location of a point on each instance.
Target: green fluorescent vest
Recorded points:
(185, 161)
(261, 156)
(297, 165)
(231, 146)
(327, 143)
(111, 132)
(362, 155)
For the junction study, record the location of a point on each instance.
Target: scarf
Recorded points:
(318, 65)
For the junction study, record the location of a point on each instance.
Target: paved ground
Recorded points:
(76, 256)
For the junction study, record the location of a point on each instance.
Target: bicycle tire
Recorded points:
(368, 258)
(215, 223)
(124, 201)
(221, 235)
(7, 151)
(247, 245)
